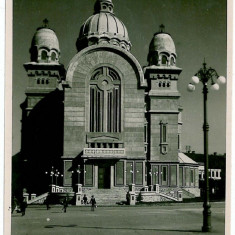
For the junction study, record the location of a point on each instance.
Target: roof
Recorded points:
(185, 159)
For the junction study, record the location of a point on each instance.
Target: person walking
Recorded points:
(93, 203)
(47, 202)
(14, 205)
(23, 206)
(65, 205)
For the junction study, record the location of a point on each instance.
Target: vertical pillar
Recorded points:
(144, 182)
(177, 176)
(79, 195)
(132, 187)
(160, 174)
(79, 188)
(132, 198)
(179, 196)
(78, 199)
(125, 172)
(111, 176)
(183, 176)
(96, 177)
(157, 189)
(33, 195)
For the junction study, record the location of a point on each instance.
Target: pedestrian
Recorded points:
(85, 199)
(47, 202)
(14, 205)
(23, 206)
(65, 205)
(93, 203)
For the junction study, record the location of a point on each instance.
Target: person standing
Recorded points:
(93, 203)
(65, 205)
(23, 206)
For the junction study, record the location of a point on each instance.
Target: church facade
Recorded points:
(106, 122)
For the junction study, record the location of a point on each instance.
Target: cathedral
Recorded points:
(105, 122)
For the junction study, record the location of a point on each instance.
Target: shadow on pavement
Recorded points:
(62, 226)
(119, 228)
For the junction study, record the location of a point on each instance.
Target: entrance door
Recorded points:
(104, 177)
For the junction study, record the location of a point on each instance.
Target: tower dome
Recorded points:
(45, 45)
(162, 50)
(103, 27)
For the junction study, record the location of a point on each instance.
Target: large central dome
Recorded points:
(103, 27)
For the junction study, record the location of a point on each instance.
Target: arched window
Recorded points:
(105, 101)
(164, 59)
(53, 56)
(44, 55)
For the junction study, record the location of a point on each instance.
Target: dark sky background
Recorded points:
(198, 28)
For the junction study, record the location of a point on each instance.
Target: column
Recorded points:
(111, 176)
(144, 182)
(125, 172)
(177, 176)
(96, 177)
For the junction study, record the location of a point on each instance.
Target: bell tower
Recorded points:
(44, 70)
(42, 110)
(163, 109)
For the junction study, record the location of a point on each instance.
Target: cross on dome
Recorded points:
(162, 28)
(45, 23)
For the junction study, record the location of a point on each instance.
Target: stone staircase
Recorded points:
(168, 197)
(39, 199)
(187, 194)
(106, 196)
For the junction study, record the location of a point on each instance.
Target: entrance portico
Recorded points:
(103, 161)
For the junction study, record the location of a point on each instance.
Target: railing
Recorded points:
(155, 190)
(38, 200)
(104, 151)
(61, 189)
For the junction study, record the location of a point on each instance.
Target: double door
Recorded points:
(103, 177)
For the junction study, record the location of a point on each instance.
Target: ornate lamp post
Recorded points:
(52, 172)
(57, 174)
(206, 75)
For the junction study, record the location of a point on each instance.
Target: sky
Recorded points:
(198, 28)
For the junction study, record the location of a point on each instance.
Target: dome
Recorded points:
(45, 37)
(45, 46)
(162, 42)
(162, 50)
(103, 27)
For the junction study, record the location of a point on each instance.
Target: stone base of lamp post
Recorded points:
(132, 198)
(206, 219)
(78, 199)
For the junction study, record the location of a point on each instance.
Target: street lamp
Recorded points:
(57, 174)
(206, 75)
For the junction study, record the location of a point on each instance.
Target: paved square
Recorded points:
(161, 219)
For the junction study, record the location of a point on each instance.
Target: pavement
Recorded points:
(159, 219)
